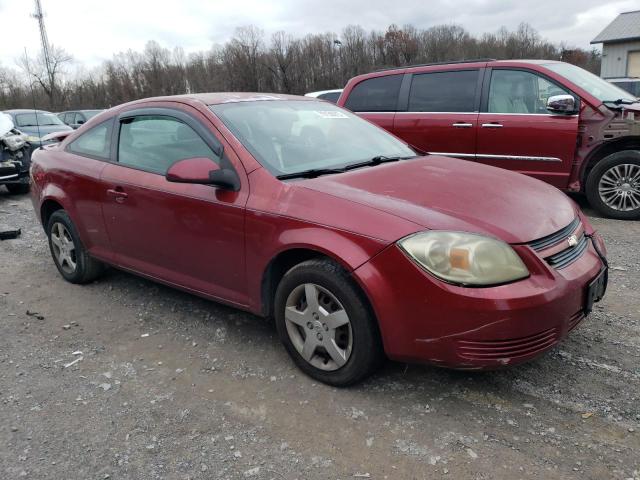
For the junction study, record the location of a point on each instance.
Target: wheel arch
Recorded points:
(48, 207)
(286, 259)
(606, 149)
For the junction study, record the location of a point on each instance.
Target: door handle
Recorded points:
(491, 125)
(118, 194)
(462, 125)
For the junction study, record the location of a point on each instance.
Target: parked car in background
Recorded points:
(295, 208)
(76, 118)
(328, 95)
(14, 157)
(36, 124)
(631, 85)
(550, 120)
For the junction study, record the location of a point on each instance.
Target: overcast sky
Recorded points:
(93, 30)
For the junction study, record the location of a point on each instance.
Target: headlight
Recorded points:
(465, 258)
(32, 138)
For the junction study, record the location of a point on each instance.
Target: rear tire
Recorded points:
(326, 324)
(17, 188)
(69, 255)
(613, 185)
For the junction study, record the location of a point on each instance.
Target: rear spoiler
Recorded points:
(57, 136)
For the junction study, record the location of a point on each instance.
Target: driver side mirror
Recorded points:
(203, 171)
(562, 104)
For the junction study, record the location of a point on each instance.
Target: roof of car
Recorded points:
(216, 98)
(461, 63)
(24, 110)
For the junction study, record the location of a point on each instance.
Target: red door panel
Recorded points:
(539, 145)
(189, 235)
(446, 133)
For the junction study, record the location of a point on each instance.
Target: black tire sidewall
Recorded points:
(627, 156)
(366, 352)
(61, 216)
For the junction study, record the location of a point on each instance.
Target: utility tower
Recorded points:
(38, 15)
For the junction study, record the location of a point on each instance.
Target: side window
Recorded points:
(517, 91)
(95, 142)
(155, 142)
(79, 119)
(444, 91)
(379, 94)
(67, 118)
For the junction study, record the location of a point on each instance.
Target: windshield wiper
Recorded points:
(376, 161)
(315, 172)
(621, 101)
(312, 173)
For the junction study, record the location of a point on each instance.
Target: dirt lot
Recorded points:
(171, 386)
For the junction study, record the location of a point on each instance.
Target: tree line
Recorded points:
(251, 62)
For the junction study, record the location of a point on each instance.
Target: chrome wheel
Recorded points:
(619, 187)
(318, 326)
(63, 248)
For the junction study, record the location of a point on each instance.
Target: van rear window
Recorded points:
(379, 94)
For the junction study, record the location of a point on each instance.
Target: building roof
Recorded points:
(626, 26)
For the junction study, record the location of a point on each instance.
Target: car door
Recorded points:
(440, 112)
(185, 234)
(517, 132)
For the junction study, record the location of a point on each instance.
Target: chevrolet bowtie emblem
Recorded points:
(573, 241)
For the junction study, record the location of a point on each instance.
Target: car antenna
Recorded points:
(33, 96)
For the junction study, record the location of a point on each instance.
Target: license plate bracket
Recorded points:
(595, 290)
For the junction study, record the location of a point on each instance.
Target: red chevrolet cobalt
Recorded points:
(293, 208)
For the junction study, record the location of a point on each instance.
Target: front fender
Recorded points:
(269, 236)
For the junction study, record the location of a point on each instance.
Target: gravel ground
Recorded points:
(127, 379)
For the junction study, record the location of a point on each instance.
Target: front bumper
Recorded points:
(425, 320)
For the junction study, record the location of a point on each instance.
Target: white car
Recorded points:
(328, 95)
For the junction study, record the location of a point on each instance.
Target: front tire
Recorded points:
(326, 325)
(613, 185)
(71, 258)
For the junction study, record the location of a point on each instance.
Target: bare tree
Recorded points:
(283, 64)
(48, 76)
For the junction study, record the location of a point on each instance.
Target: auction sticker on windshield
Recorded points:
(330, 114)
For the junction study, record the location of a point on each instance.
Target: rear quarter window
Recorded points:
(379, 94)
(95, 143)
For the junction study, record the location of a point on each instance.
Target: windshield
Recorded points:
(599, 88)
(29, 119)
(294, 136)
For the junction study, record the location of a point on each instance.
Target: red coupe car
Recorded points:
(294, 208)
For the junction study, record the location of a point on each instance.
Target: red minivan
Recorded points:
(547, 119)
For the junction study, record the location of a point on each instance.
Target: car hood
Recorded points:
(44, 130)
(443, 193)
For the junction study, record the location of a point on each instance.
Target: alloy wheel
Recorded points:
(318, 326)
(63, 248)
(619, 187)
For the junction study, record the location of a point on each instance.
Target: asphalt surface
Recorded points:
(127, 379)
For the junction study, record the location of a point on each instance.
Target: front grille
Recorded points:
(575, 320)
(569, 255)
(556, 237)
(566, 256)
(511, 348)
